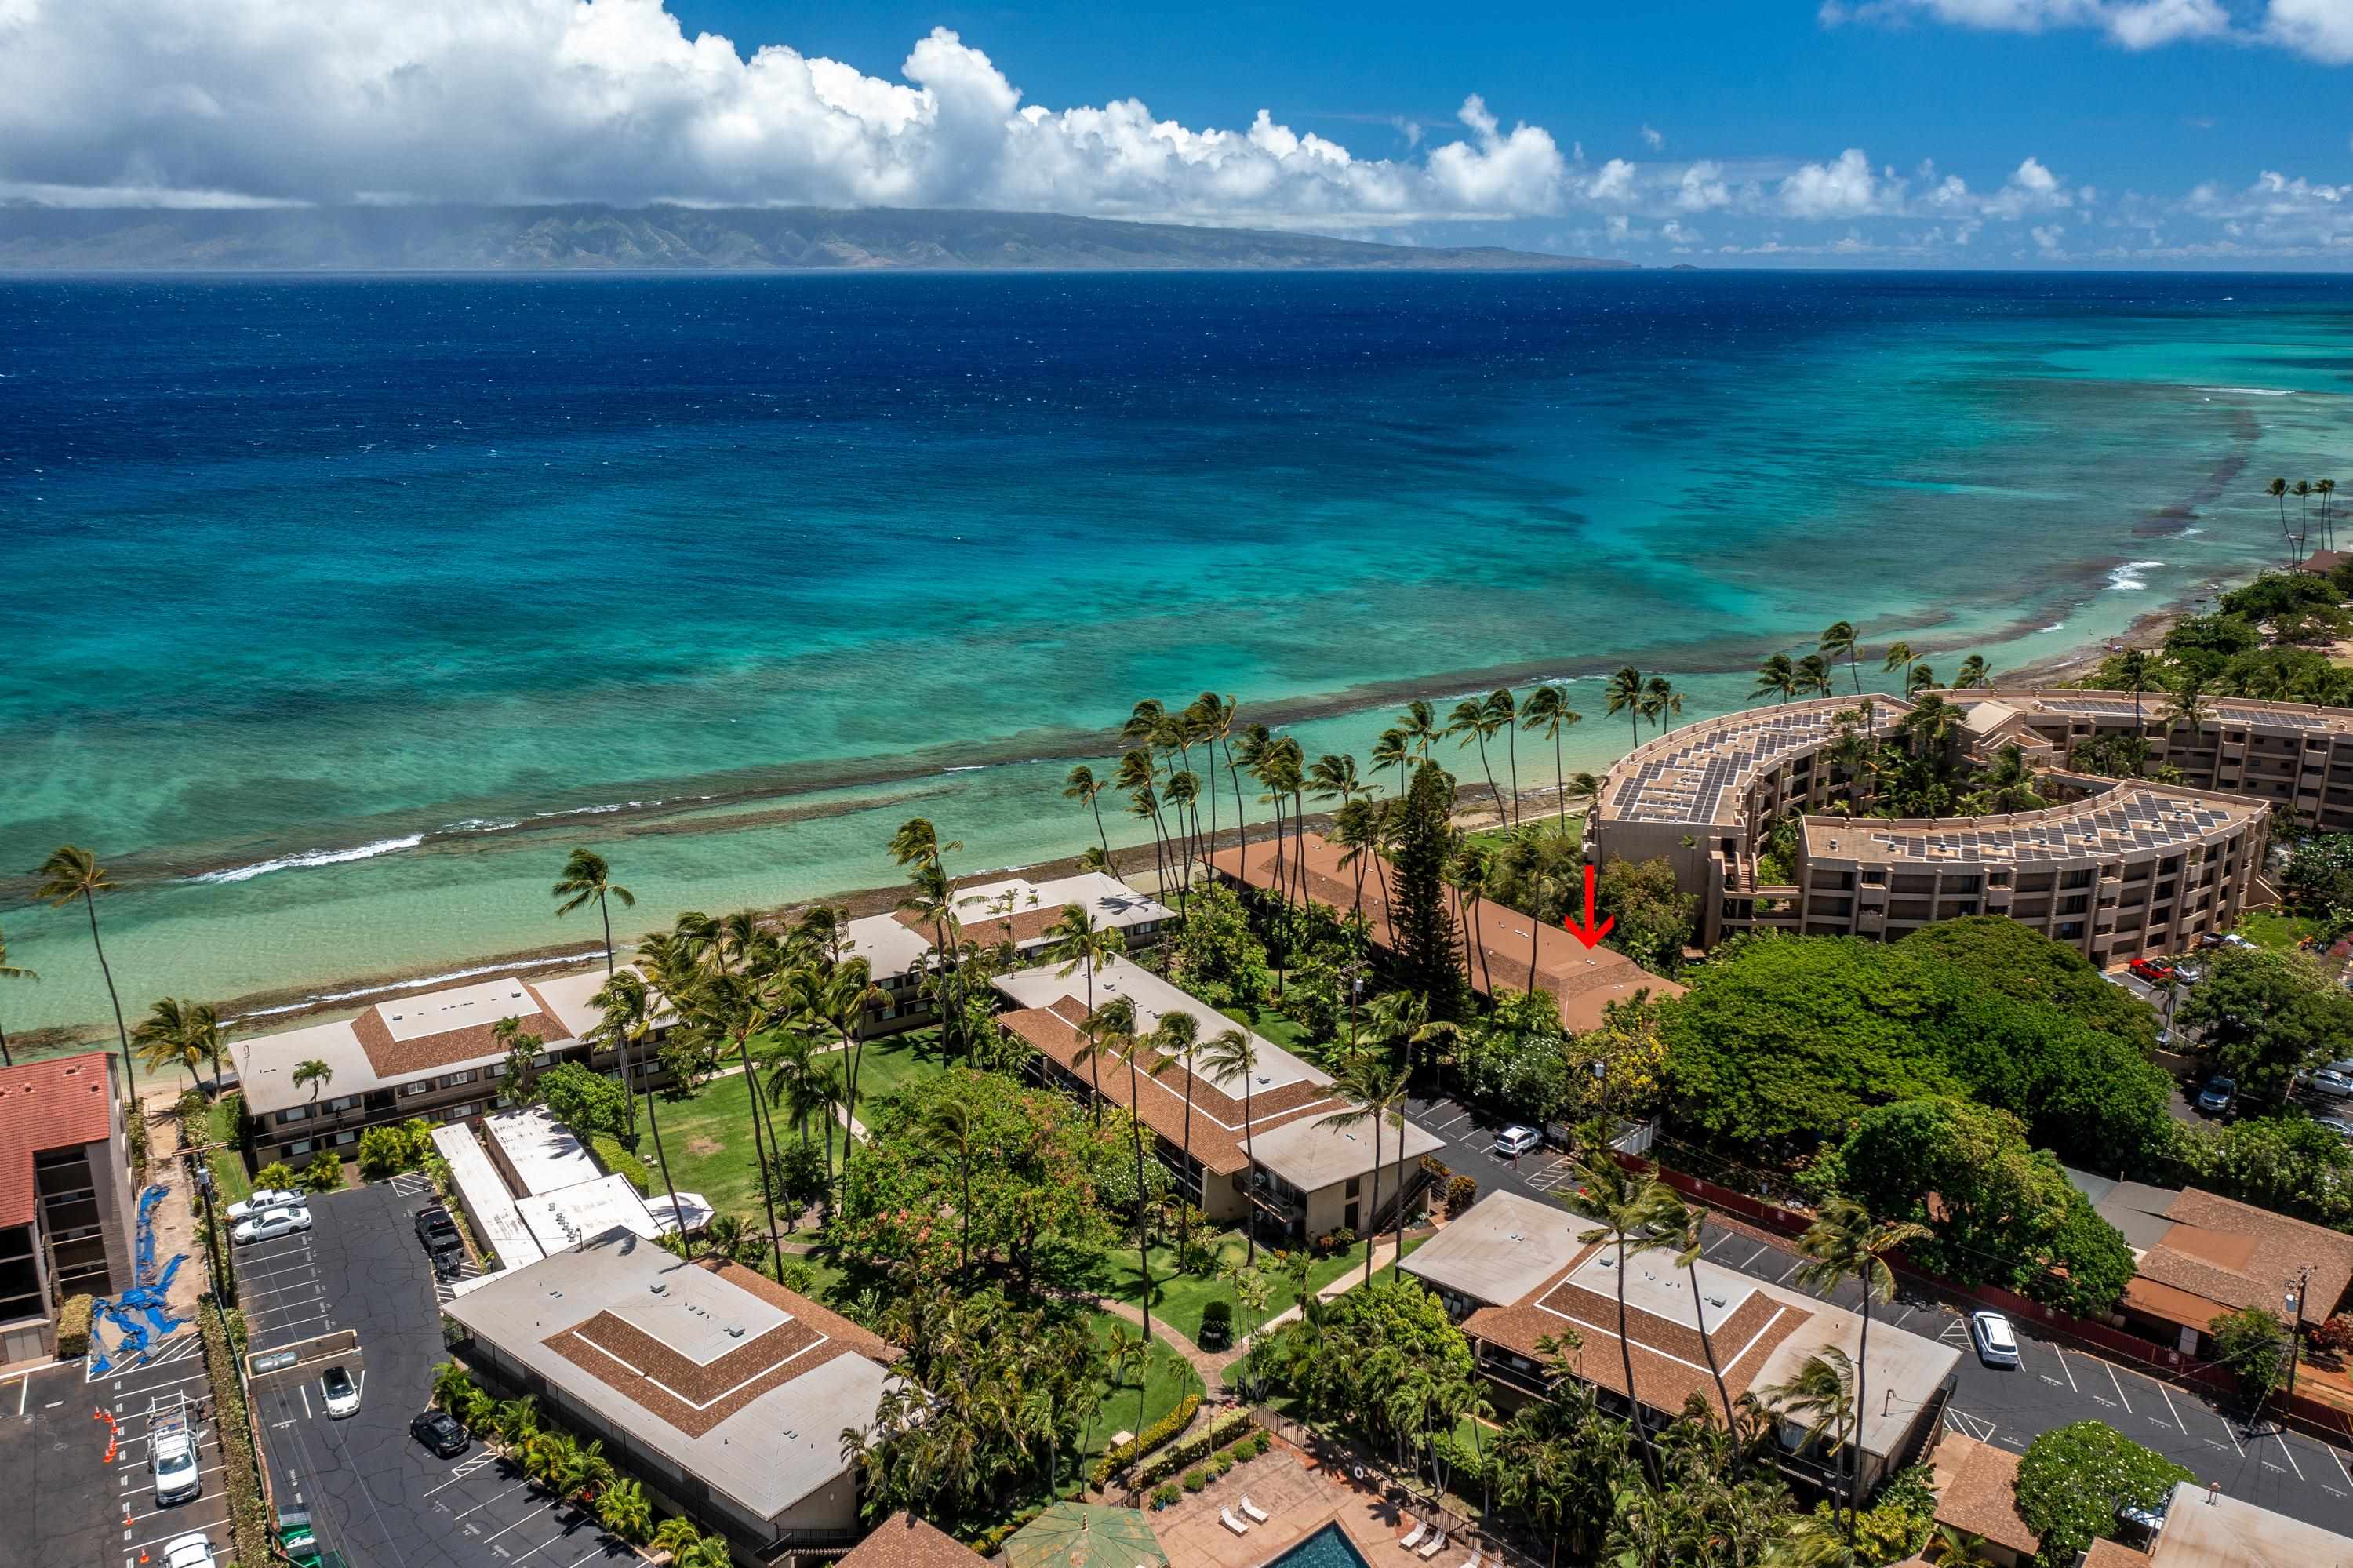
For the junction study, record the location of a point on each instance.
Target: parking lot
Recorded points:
(377, 1498)
(2287, 1472)
(78, 1508)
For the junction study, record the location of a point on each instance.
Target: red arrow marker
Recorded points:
(1588, 933)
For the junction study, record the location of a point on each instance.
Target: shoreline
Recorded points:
(285, 1007)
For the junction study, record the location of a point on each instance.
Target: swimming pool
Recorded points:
(1327, 1547)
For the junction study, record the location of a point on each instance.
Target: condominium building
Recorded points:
(2117, 868)
(1305, 1174)
(65, 1195)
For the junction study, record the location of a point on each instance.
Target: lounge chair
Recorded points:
(1257, 1515)
(1226, 1517)
(1412, 1537)
(1473, 1560)
(1433, 1546)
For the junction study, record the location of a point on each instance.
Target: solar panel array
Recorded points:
(2124, 821)
(1686, 782)
(2220, 712)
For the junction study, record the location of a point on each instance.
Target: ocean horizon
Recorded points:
(350, 605)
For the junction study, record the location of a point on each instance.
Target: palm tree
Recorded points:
(1503, 712)
(452, 1383)
(1901, 657)
(1840, 637)
(1229, 1054)
(1625, 692)
(1083, 786)
(1375, 1085)
(1174, 1040)
(1588, 789)
(585, 876)
(2008, 785)
(1116, 1030)
(1812, 677)
(1821, 1396)
(622, 1509)
(1418, 725)
(1466, 873)
(1924, 679)
(1391, 751)
(1973, 673)
(1630, 1209)
(517, 1420)
(677, 1536)
(1958, 1548)
(627, 1005)
(2133, 669)
(1845, 1241)
(1547, 710)
(1076, 942)
(2302, 511)
(1660, 698)
(949, 1124)
(10, 972)
(2188, 707)
(168, 1037)
(2325, 488)
(1776, 678)
(2277, 491)
(315, 1074)
(71, 873)
(1684, 1228)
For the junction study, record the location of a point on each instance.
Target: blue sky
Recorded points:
(2045, 132)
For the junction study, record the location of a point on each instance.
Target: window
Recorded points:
(347, 1137)
(1353, 1183)
(418, 1087)
(298, 1113)
(454, 1079)
(1874, 879)
(301, 1147)
(342, 1103)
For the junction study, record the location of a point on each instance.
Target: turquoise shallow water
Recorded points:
(343, 608)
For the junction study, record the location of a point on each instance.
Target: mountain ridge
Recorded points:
(590, 238)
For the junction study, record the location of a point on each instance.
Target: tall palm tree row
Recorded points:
(1547, 710)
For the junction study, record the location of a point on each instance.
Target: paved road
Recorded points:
(2286, 1472)
(377, 1498)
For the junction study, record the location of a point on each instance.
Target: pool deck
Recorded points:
(1299, 1499)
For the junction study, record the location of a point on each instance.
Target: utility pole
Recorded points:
(2296, 1333)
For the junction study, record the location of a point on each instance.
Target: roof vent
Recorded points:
(658, 1287)
(1715, 1300)
(736, 1331)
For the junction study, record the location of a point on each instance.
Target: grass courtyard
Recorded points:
(1182, 1299)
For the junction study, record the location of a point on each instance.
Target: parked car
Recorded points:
(439, 1430)
(2188, 974)
(433, 1220)
(1997, 1343)
(188, 1551)
(2219, 1095)
(2330, 1082)
(263, 1198)
(2156, 972)
(2143, 1521)
(2338, 1125)
(1517, 1140)
(341, 1394)
(269, 1224)
(2242, 943)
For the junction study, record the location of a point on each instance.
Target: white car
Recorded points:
(1996, 1344)
(1516, 1141)
(263, 1198)
(2330, 1082)
(269, 1224)
(341, 1394)
(2336, 1124)
(188, 1551)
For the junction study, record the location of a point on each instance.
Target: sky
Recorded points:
(1719, 133)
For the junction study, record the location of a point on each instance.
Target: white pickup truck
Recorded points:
(172, 1452)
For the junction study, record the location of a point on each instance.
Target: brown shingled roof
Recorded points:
(1976, 1492)
(1585, 981)
(394, 1058)
(1058, 1033)
(902, 1540)
(2234, 1255)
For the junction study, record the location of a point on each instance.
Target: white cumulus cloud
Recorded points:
(610, 100)
(2318, 29)
(1844, 187)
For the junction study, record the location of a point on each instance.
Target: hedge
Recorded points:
(989, 1539)
(1222, 1428)
(73, 1327)
(1151, 1438)
(249, 1523)
(619, 1161)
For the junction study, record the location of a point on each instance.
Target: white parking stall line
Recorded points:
(601, 1550)
(1783, 1278)
(2066, 1368)
(289, 1309)
(465, 1468)
(489, 1500)
(131, 1549)
(2289, 1449)
(2119, 1387)
(1908, 1312)
(550, 1541)
(518, 1524)
(2171, 1409)
(1753, 1256)
(310, 1284)
(295, 1322)
(1721, 1238)
(2339, 1463)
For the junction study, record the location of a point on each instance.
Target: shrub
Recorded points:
(1460, 1193)
(1217, 1326)
(1260, 1441)
(2253, 1344)
(324, 1173)
(73, 1326)
(989, 1539)
(232, 1320)
(619, 1161)
(2071, 1477)
(2336, 1334)
(1221, 1429)
(134, 1133)
(277, 1175)
(1145, 1441)
(191, 1107)
(1195, 1479)
(248, 1520)
(1222, 1464)
(1161, 1495)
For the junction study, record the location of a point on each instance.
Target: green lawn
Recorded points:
(1182, 1299)
(2267, 929)
(890, 1063)
(227, 1164)
(1279, 1027)
(1168, 1379)
(1495, 838)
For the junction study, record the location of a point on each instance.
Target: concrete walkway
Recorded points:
(1210, 1368)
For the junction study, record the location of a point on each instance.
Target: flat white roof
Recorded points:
(2225, 1532)
(1155, 998)
(888, 946)
(1503, 1248)
(266, 1063)
(570, 998)
(566, 1218)
(464, 1007)
(483, 1192)
(1313, 1153)
(544, 1154)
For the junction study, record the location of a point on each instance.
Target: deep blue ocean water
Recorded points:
(342, 607)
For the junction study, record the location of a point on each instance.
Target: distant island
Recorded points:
(593, 239)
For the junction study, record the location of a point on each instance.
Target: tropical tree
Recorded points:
(2133, 669)
(1174, 1040)
(1420, 727)
(1901, 657)
(71, 873)
(1660, 699)
(1684, 1228)
(1813, 676)
(1632, 1210)
(1841, 638)
(1973, 673)
(627, 1007)
(1375, 1085)
(1081, 784)
(314, 1073)
(2277, 491)
(950, 1123)
(2187, 706)
(1391, 751)
(1844, 1242)
(1776, 678)
(1226, 1056)
(2007, 786)
(622, 1508)
(916, 846)
(1548, 710)
(1502, 711)
(1588, 788)
(1625, 694)
(1077, 943)
(1821, 1398)
(2325, 488)
(586, 878)
(677, 1536)
(12, 972)
(163, 1042)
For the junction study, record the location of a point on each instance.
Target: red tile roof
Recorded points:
(49, 1105)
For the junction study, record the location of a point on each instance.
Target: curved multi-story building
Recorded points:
(2115, 867)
